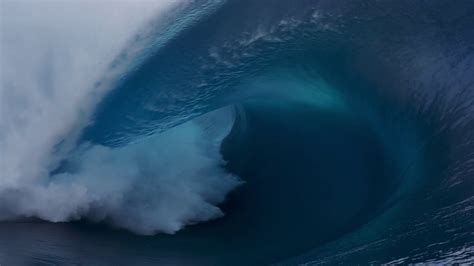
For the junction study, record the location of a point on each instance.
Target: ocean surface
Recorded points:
(238, 132)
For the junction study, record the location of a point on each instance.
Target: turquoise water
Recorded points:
(296, 196)
(346, 139)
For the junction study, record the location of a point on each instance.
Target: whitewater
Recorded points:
(53, 57)
(308, 132)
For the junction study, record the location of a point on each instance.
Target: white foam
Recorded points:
(52, 53)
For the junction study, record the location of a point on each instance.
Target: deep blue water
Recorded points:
(353, 135)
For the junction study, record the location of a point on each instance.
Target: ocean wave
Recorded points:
(128, 127)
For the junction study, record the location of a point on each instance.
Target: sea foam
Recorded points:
(52, 56)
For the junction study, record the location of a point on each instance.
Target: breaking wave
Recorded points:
(351, 120)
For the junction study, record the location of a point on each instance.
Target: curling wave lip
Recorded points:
(389, 76)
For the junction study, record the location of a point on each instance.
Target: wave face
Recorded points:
(338, 131)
